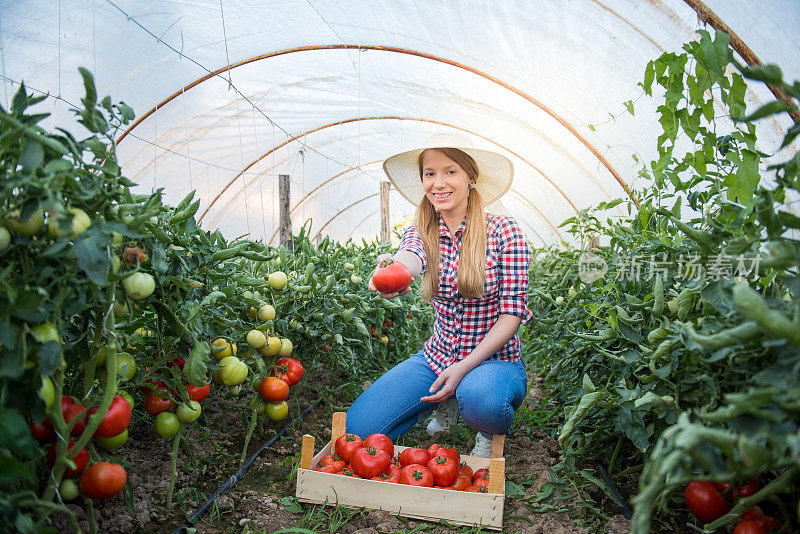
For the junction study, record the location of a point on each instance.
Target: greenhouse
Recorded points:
(217, 225)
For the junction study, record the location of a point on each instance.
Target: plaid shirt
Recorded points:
(461, 323)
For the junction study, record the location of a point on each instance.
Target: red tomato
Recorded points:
(705, 500)
(391, 276)
(380, 441)
(289, 370)
(370, 462)
(749, 526)
(327, 469)
(155, 404)
(394, 473)
(462, 483)
(151, 384)
(273, 389)
(482, 485)
(436, 450)
(387, 323)
(43, 433)
(73, 411)
(444, 470)
(198, 393)
(749, 489)
(348, 472)
(479, 474)
(102, 480)
(179, 362)
(414, 456)
(81, 459)
(471, 489)
(766, 522)
(465, 470)
(416, 475)
(116, 419)
(346, 445)
(335, 461)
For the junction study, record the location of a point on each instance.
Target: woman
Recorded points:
(478, 292)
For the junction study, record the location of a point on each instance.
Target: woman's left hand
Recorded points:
(448, 382)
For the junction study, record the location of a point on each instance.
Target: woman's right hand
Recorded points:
(380, 259)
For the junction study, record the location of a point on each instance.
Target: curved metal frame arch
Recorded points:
(410, 52)
(388, 117)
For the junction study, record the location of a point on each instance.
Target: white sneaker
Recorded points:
(446, 414)
(483, 446)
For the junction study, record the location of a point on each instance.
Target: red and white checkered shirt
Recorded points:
(461, 323)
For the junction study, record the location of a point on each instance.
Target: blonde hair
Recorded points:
(472, 262)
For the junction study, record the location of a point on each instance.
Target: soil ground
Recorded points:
(262, 501)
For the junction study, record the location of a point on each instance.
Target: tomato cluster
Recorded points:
(274, 389)
(373, 458)
(708, 501)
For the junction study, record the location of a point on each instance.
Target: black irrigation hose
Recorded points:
(189, 523)
(620, 501)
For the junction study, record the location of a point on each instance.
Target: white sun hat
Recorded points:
(495, 171)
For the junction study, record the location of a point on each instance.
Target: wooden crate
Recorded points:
(432, 504)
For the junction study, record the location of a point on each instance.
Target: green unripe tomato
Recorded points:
(355, 279)
(113, 443)
(234, 371)
(116, 263)
(559, 300)
(79, 224)
(120, 308)
(189, 413)
(127, 396)
(277, 410)
(139, 285)
(286, 347)
(277, 280)
(69, 490)
(126, 365)
(47, 392)
(266, 313)
(167, 424)
(44, 332)
(29, 226)
(349, 266)
(117, 238)
(5, 238)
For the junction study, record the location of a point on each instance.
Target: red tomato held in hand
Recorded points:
(43, 433)
(116, 419)
(444, 470)
(289, 370)
(273, 389)
(436, 450)
(705, 500)
(198, 393)
(346, 445)
(155, 404)
(102, 480)
(81, 459)
(380, 441)
(391, 277)
(414, 456)
(370, 462)
(416, 475)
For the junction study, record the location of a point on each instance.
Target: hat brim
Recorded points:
(495, 173)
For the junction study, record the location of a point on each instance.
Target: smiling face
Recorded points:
(445, 183)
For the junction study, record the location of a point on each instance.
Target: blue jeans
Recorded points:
(487, 397)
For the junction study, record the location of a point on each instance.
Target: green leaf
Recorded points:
(159, 259)
(764, 73)
(716, 53)
(92, 257)
(629, 106)
(49, 355)
(16, 435)
(30, 305)
(631, 424)
(514, 490)
(12, 364)
(776, 106)
(12, 470)
(195, 368)
(8, 334)
(32, 156)
(292, 506)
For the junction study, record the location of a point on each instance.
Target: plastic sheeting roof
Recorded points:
(324, 90)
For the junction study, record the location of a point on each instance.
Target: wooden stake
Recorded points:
(285, 222)
(338, 427)
(307, 452)
(497, 475)
(385, 212)
(498, 443)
